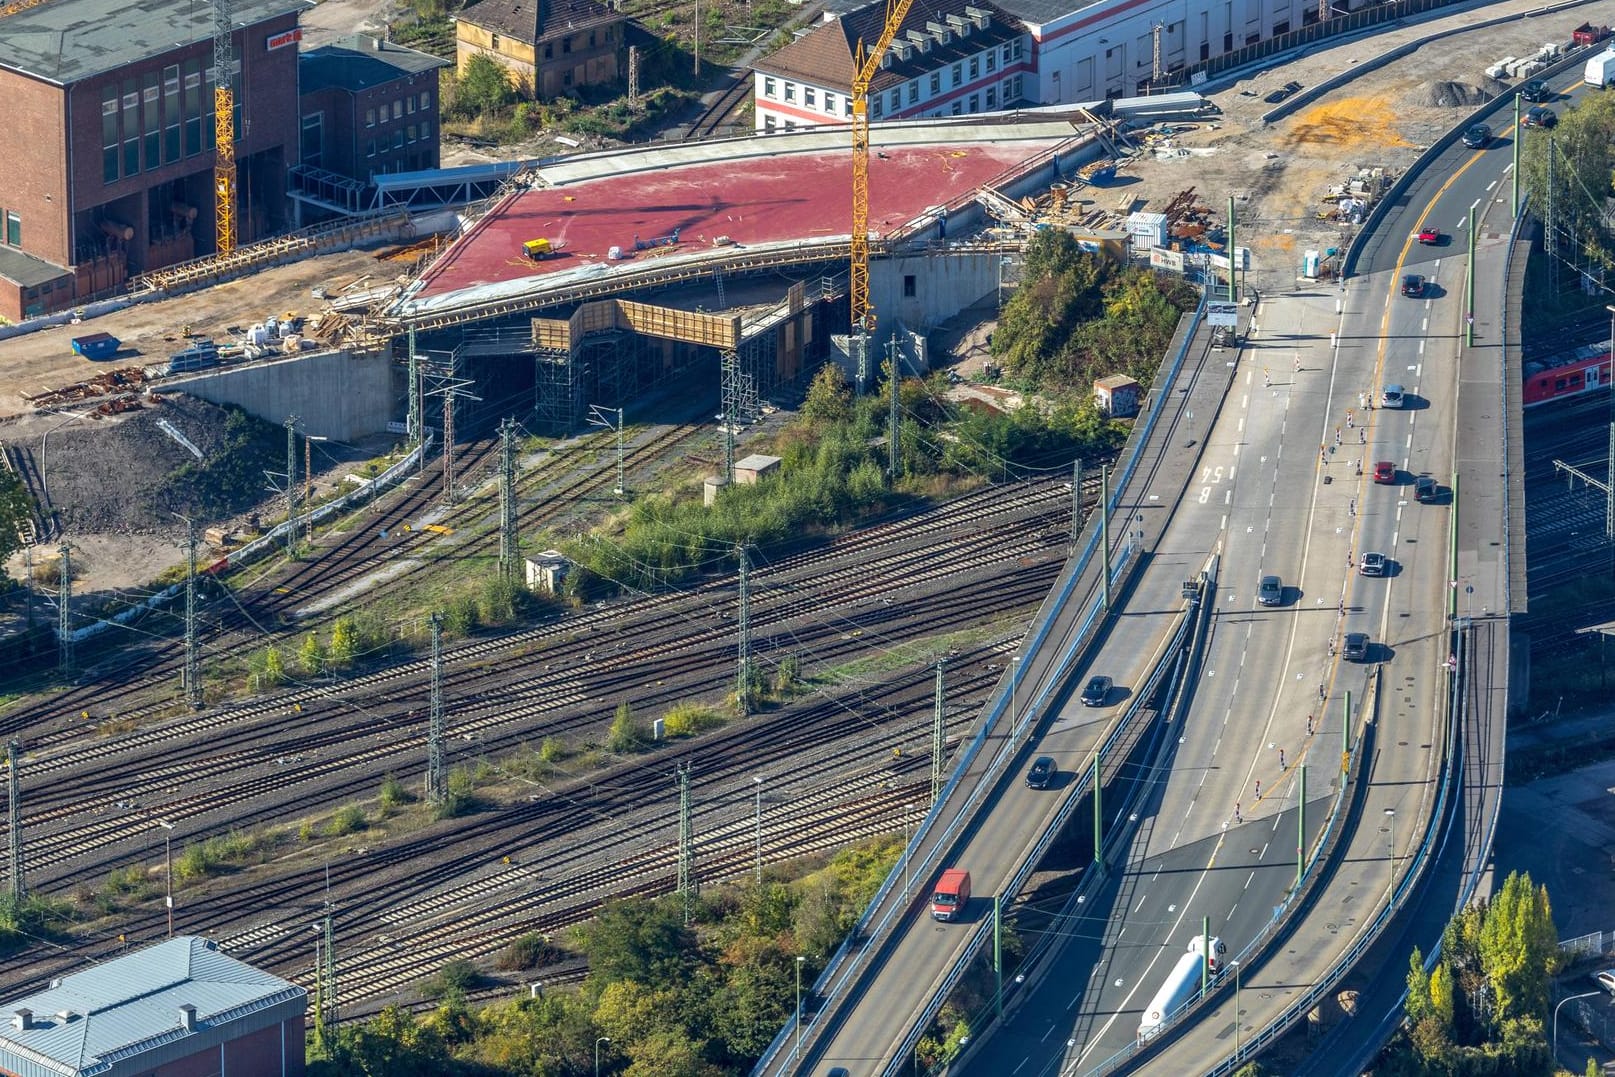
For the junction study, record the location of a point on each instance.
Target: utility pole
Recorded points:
(291, 485)
(1155, 65)
(611, 419)
(1550, 235)
(729, 362)
(1516, 140)
(412, 422)
(1233, 251)
(743, 620)
(686, 845)
(937, 711)
(436, 788)
(1301, 828)
(328, 992)
(64, 611)
(509, 559)
(1607, 488)
(1098, 815)
(1076, 501)
(28, 579)
(14, 818)
(451, 388)
(895, 383)
(1469, 280)
(193, 650)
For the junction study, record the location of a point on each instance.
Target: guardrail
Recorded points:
(1450, 781)
(1030, 859)
(834, 979)
(1382, 208)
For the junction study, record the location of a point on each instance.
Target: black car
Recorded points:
(1356, 649)
(1535, 90)
(1413, 286)
(1282, 92)
(1537, 116)
(1425, 489)
(1097, 692)
(1042, 772)
(1477, 136)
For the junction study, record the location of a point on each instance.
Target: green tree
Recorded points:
(16, 509)
(1441, 1000)
(1417, 1005)
(274, 671)
(625, 734)
(639, 940)
(669, 1053)
(1583, 162)
(484, 87)
(828, 400)
(311, 655)
(344, 643)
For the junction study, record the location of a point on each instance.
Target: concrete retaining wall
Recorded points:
(944, 284)
(333, 394)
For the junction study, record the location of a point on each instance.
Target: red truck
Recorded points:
(1588, 34)
(951, 896)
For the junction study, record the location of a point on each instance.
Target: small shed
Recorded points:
(751, 469)
(1147, 230)
(547, 572)
(1117, 396)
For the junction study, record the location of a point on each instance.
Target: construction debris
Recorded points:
(117, 382)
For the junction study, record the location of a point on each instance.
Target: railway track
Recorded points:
(89, 775)
(717, 113)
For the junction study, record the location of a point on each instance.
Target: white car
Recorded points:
(1606, 980)
(1391, 396)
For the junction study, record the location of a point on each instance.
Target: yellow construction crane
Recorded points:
(224, 130)
(864, 67)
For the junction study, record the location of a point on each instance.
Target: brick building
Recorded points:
(950, 58)
(108, 148)
(369, 108)
(550, 47)
(176, 1009)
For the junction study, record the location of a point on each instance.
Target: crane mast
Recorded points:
(224, 130)
(865, 64)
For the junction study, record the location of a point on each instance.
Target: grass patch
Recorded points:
(914, 652)
(223, 853)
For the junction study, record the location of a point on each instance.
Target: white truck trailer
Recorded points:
(1182, 985)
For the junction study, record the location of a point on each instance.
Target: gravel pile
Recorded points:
(117, 474)
(1444, 94)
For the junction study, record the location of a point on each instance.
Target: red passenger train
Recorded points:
(1586, 370)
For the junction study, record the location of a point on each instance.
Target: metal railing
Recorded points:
(834, 979)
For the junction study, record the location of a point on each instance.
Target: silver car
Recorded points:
(1270, 592)
(1391, 396)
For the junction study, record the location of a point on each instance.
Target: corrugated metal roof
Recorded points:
(65, 41)
(360, 61)
(130, 1005)
(533, 21)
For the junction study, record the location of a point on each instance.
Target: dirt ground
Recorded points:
(1278, 175)
(150, 331)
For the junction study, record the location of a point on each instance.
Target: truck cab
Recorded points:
(951, 896)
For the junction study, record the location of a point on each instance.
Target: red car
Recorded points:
(1385, 473)
(1430, 236)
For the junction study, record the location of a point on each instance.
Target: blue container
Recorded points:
(97, 346)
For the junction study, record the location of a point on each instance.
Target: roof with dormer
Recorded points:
(824, 55)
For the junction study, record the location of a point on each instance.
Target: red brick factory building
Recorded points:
(106, 158)
(177, 1009)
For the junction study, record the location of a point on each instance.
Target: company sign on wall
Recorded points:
(286, 37)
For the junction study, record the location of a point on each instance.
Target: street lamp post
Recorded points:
(1572, 998)
(168, 871)
(1014, 713)
(1235, 964)
(757, 871)
(597, 1043)
(798, 1050)
(908, 816)
(1390, 855)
